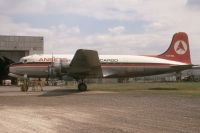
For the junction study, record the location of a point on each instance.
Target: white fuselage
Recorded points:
(112, 65)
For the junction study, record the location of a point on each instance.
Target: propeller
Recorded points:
(51, 70)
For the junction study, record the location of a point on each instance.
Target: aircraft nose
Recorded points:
(12, 68)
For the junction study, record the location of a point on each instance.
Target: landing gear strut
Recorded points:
(82, 86)
(24, 86)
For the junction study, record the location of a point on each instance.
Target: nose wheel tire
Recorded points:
(82, 87)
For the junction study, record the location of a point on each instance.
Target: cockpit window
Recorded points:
(24, 61)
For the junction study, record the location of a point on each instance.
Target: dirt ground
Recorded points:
(57, 110)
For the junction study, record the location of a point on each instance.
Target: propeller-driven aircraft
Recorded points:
(88, 64)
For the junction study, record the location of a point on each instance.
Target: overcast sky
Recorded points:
(136, 27)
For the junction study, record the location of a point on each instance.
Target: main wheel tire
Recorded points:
(82, 87)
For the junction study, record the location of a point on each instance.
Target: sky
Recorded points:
(135, 27)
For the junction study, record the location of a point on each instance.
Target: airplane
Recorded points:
(88, 64)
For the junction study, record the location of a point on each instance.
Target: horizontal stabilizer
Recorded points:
(182, 67)
(196, 67)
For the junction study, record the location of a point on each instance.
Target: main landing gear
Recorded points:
(82, 86)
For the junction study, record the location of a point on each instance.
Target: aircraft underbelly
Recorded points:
(133, 71)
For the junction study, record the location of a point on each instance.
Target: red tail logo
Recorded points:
(180, 47)
(178, 50)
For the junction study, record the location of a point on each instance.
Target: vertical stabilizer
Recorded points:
(178, 50)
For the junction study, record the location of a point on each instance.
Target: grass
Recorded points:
(189, 88)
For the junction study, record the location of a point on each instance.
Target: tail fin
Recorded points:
(179, 49)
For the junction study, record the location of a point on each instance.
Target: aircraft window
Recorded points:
(25, 61)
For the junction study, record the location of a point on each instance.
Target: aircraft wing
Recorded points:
(85, 64)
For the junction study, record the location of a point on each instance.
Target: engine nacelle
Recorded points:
(58, 68)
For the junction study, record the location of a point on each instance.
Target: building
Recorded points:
(15, 47)
(12, 48)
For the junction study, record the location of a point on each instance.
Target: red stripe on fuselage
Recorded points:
(46, 64)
